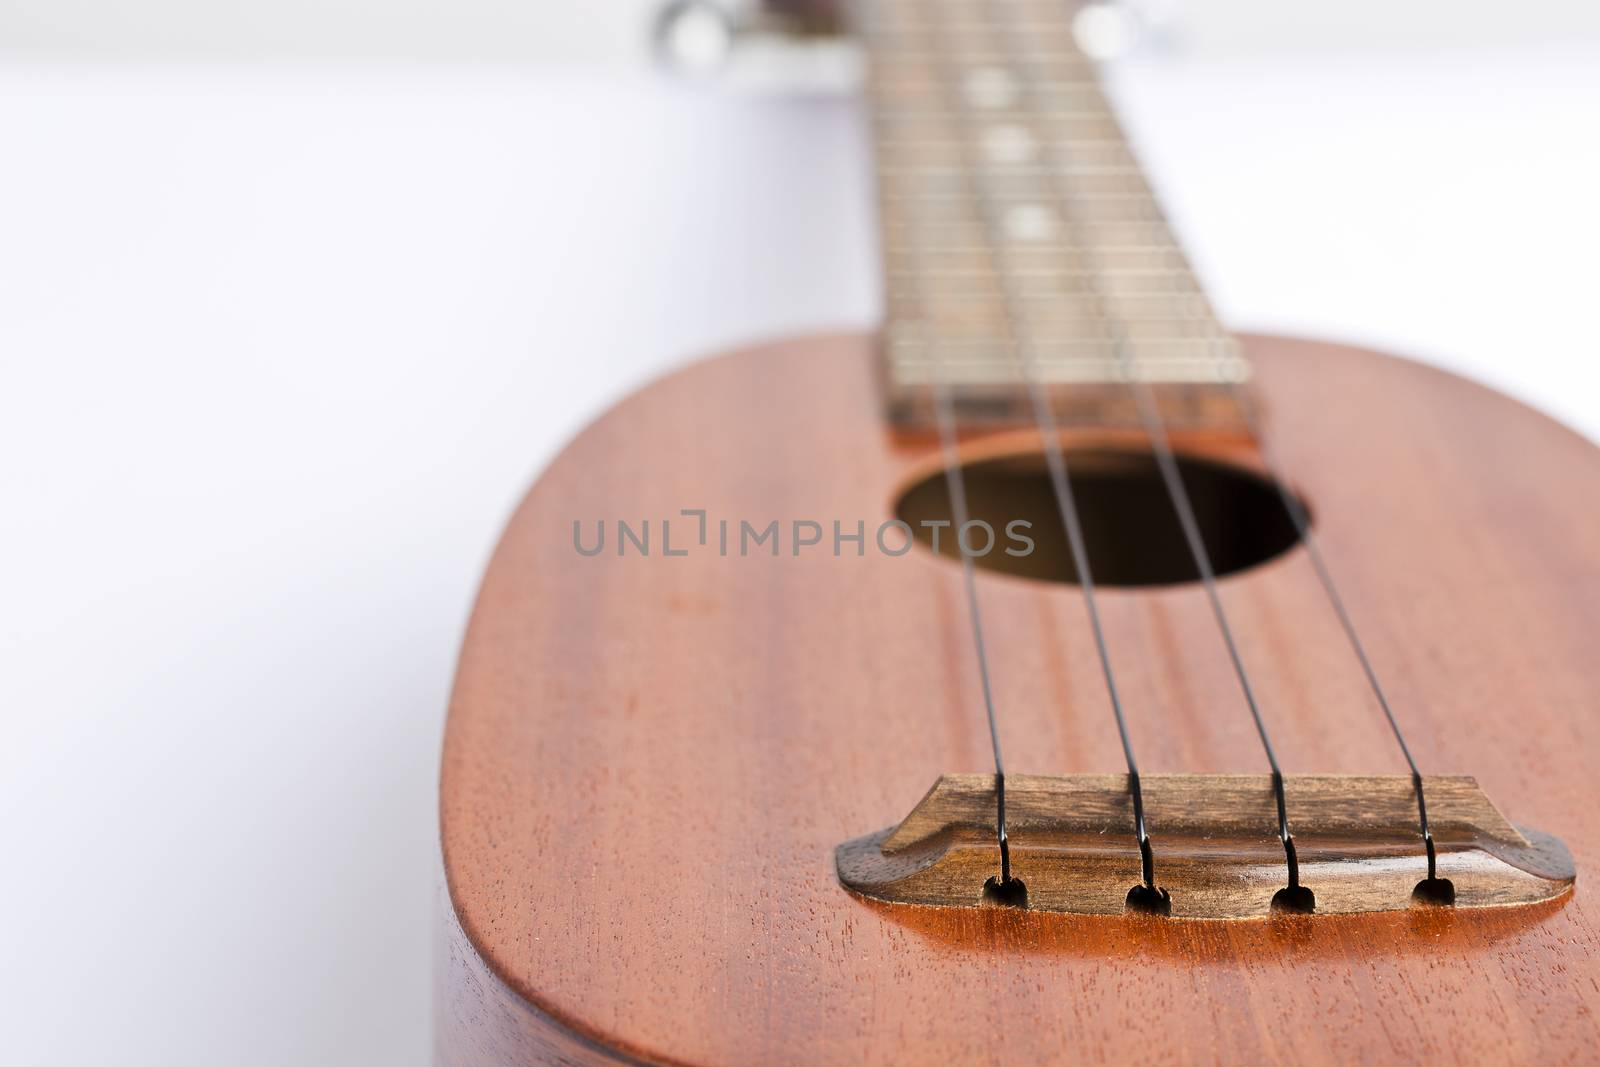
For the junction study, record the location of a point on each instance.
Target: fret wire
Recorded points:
(1142, 195)
(938, 197)
(1159, 336)
(1001, 340)
(1192, 352)
(1049, 274)
(893, 169)
(1006, 114)
(958, 278)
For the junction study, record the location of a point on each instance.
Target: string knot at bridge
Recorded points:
(1215, 836)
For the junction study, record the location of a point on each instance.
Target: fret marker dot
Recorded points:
(991, 89)
(1009, 145)
(1031, 223)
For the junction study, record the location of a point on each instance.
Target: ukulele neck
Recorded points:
(1021, 243)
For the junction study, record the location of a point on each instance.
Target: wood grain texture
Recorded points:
(1217, 853)
(1096, 281)
(649, 761)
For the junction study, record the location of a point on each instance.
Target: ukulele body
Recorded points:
(650, 758)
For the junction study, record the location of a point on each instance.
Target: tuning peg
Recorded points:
(694, 36)
(1110, 29)
(798, 44)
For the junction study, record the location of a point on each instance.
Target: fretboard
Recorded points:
(1020, 239)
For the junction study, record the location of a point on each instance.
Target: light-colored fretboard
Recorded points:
(1020, 239)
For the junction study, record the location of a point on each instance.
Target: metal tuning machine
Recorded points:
(794, 45)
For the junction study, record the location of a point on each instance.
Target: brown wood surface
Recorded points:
(649, 761)
(1216, 851)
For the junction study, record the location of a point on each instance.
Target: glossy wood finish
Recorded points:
(1215, 852)
(649, 761)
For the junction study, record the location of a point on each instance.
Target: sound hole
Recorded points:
(1130, 527)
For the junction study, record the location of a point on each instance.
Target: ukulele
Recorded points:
(1053, 676)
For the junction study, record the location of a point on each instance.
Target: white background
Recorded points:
(296, 298)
